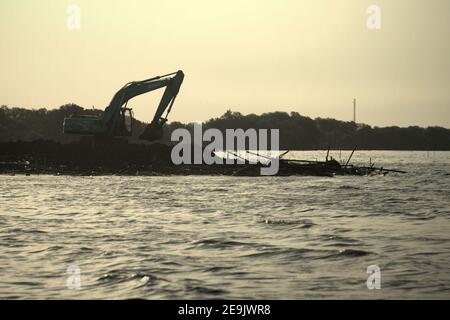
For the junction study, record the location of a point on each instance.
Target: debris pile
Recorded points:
(288, 167)
(49, 157)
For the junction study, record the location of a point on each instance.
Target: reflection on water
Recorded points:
(230, 237)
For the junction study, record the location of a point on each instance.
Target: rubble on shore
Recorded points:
(83, 159)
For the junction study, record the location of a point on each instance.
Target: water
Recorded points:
(230, 237)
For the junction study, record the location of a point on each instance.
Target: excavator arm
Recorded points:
(153, 131)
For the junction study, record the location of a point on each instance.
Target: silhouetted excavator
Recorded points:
(116, 120)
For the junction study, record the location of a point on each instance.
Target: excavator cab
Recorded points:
(126, 118)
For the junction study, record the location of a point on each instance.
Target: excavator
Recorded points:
(116, 120)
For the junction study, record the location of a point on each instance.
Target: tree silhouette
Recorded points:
(296, 131)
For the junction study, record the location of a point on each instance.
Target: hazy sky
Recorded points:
(251, 56)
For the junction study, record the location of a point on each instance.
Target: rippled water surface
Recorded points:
(230, 237)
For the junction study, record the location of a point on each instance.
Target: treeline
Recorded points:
(19, 124)
(296, 132)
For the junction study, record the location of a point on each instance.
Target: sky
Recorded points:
(251, 56)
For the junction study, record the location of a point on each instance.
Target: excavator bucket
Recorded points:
(152, 132)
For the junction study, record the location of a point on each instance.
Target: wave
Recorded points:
(303, 223)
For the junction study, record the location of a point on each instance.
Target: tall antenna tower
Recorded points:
(354, 110)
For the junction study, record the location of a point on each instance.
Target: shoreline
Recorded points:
(123, 159)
